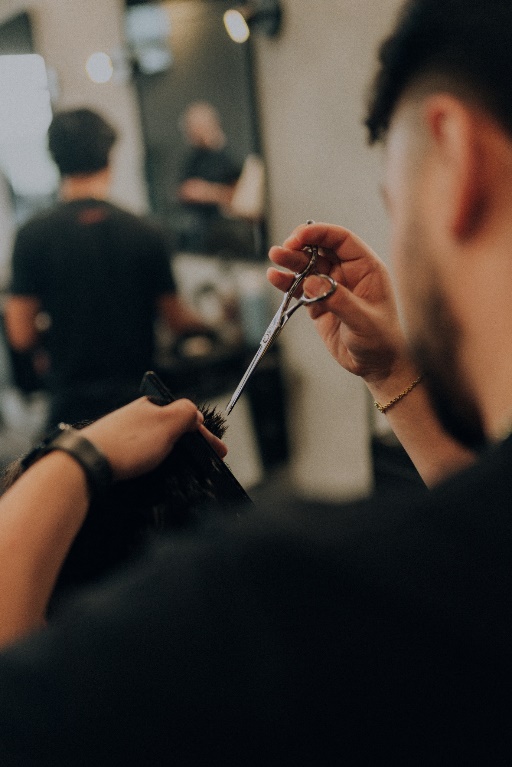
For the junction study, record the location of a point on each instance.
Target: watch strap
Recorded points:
(95, 465)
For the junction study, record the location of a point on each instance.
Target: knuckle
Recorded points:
(185, 407)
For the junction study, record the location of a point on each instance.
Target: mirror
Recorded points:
(194, 85)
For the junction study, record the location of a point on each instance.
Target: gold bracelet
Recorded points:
(383, 408)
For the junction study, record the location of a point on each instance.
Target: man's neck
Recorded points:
(79, 187)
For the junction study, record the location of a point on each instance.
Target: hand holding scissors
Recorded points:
(282, 316)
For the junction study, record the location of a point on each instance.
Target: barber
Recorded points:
(360, 327)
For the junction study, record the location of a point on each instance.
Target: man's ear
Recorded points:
(455, 130)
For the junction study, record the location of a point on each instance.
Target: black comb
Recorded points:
(198, 450)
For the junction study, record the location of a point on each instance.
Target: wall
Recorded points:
(312, 82)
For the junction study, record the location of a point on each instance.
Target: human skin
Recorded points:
(41, 514)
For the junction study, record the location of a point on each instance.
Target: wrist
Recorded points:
(386, 388)
(92, 461)
(383, 407)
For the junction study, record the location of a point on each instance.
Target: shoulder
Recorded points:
(448, 516)
(33, 236)
(40, 221)
(142, 223)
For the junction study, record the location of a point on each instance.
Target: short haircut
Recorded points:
(80, 141)
(460, 46)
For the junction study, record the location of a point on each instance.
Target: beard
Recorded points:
(435, 341)
(435, 352)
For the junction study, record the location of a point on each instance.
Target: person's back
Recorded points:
(100, 273)
(96, 270)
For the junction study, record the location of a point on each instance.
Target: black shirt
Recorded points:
(97, 271)
(371, 634)
(212, 165)
(198, 225)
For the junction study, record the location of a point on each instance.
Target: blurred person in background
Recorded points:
(99, 274)
(207, 180)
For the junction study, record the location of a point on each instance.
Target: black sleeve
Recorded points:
(159, 267)
(135, 671)
(96, 687)
(191, 658)
(232, 170)
(25, 272)
(188, 167)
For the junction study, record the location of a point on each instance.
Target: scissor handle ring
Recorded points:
(305, 301)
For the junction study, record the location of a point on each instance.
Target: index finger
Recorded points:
(342, 242)
(218, 445)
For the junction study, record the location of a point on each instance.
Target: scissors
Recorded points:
(282, 316)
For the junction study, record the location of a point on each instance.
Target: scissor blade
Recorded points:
(268, 339)
(241, 386)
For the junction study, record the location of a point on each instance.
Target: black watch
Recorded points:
(95, 465)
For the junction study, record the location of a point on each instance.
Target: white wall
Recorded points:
(313, 80)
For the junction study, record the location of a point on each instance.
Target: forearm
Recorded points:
(39, 518)
(199, 191)
(434, 453)
(44, 509)
(20, 317)
(360, 326)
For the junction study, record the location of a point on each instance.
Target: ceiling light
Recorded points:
(262, 16)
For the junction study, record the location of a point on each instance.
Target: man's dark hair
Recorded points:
(460, 46)
(80, 141)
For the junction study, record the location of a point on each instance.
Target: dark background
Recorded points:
(16, 36)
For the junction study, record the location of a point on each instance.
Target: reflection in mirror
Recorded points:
(204, 169)
(206, 180)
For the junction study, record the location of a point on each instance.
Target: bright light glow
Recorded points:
(25, 114)
(25, 107)
(99, 67)
(236, 26)
(147, 23)
(28, 167)
(154, 58)
(148, 33)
